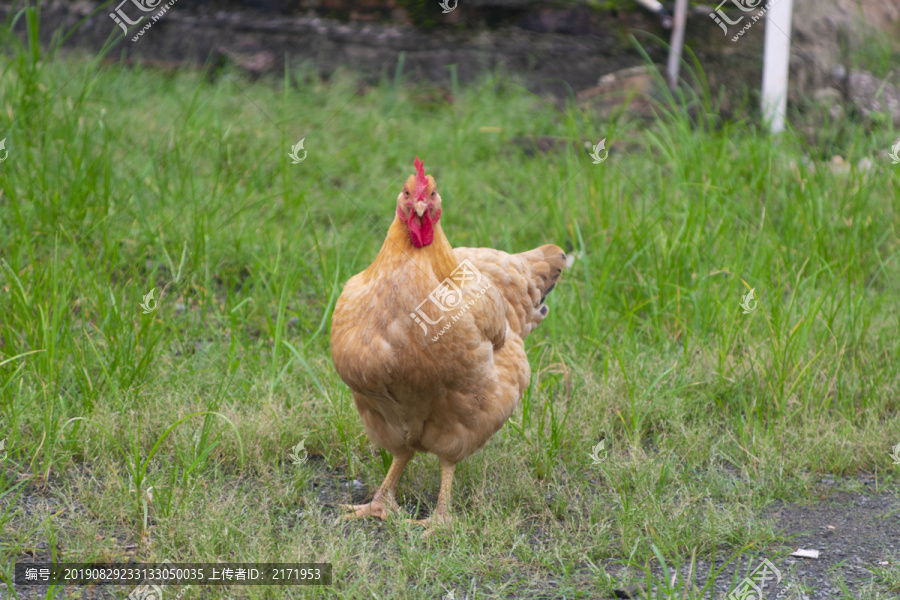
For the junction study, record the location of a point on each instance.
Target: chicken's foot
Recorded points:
(383, 503)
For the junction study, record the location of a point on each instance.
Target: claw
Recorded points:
(381, 507)
(438, 520)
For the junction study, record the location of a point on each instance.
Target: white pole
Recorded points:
(677, 43)
(776, 62)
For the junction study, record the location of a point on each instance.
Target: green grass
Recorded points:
(166, 435)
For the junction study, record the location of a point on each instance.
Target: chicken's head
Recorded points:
(419, 206)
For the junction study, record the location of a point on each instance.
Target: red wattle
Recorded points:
(421, 230)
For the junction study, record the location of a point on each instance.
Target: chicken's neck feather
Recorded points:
(434, 262)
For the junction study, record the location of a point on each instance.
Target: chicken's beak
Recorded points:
(420, 207)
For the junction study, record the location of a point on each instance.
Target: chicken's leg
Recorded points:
(383, 502)
(441, 514)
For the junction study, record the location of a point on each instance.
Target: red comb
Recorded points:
(421, 180)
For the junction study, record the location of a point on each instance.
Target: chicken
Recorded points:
(430, 341)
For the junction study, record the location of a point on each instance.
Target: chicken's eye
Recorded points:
(406, 192)
(432, 193)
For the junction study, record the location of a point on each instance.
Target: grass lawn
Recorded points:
(168, 435)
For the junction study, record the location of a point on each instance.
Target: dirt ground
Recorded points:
(853, 533)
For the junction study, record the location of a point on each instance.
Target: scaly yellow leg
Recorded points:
(383, 502)
(441, 514)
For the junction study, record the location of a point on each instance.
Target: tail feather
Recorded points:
(547, 264)
(523, 280)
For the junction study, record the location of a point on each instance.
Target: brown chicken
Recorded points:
(430, 340)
